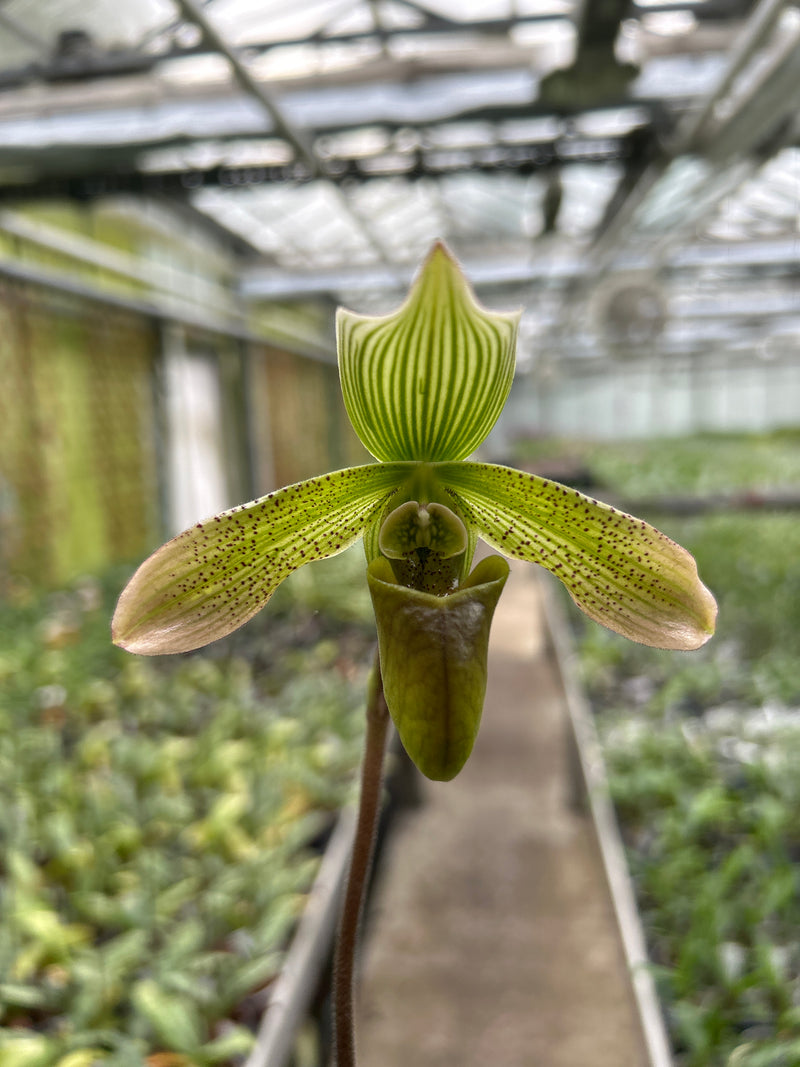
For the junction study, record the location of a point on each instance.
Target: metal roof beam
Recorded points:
(620, 223)
(116, 173)
(195, 14)
(438, 25)
(301, 144)
(262, 283)
(433, 26)
(762, 21)
(22, 32)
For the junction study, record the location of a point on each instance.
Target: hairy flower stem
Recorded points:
(360, 862)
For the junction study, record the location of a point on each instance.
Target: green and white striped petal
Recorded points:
(428, 381)
(620, 570)
(212, 578)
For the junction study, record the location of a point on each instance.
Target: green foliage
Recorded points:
(706, 463)
(159, 819)
(703, 751)
(710, 810)
(749, 561)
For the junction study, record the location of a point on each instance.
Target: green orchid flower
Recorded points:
(423, 387)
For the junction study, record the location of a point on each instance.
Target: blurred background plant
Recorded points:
(702, 751)
(162, 818)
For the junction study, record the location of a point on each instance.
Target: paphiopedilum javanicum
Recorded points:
(423, 387)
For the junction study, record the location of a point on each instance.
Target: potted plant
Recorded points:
(423, 388)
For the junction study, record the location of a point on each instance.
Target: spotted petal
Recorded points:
(620, 570)
(212, 578)
(428, 381)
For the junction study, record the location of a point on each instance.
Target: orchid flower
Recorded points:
(422, 387)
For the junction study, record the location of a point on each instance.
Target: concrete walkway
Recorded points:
(491, 939)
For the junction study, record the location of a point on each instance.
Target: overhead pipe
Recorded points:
(266, 283)
(758, 25)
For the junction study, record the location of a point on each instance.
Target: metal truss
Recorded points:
(674, 162)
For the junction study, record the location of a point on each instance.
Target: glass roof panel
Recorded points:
(246, 21)
(338, 138)
(109, 24)
(766, 205)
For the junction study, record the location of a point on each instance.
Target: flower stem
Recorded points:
(360, 862)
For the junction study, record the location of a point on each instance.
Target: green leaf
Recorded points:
(620, 570)
(27, 1050)
(175, 1021)
(212, 578)
(428, 381)
(249, 976)
(82, 1057)
(22, 995)
(433, 652)
(236, 1042)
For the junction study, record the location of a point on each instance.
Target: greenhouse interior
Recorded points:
(189, 190)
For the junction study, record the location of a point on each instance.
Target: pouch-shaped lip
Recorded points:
(433, 652)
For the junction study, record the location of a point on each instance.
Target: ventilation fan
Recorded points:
(629, 312)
